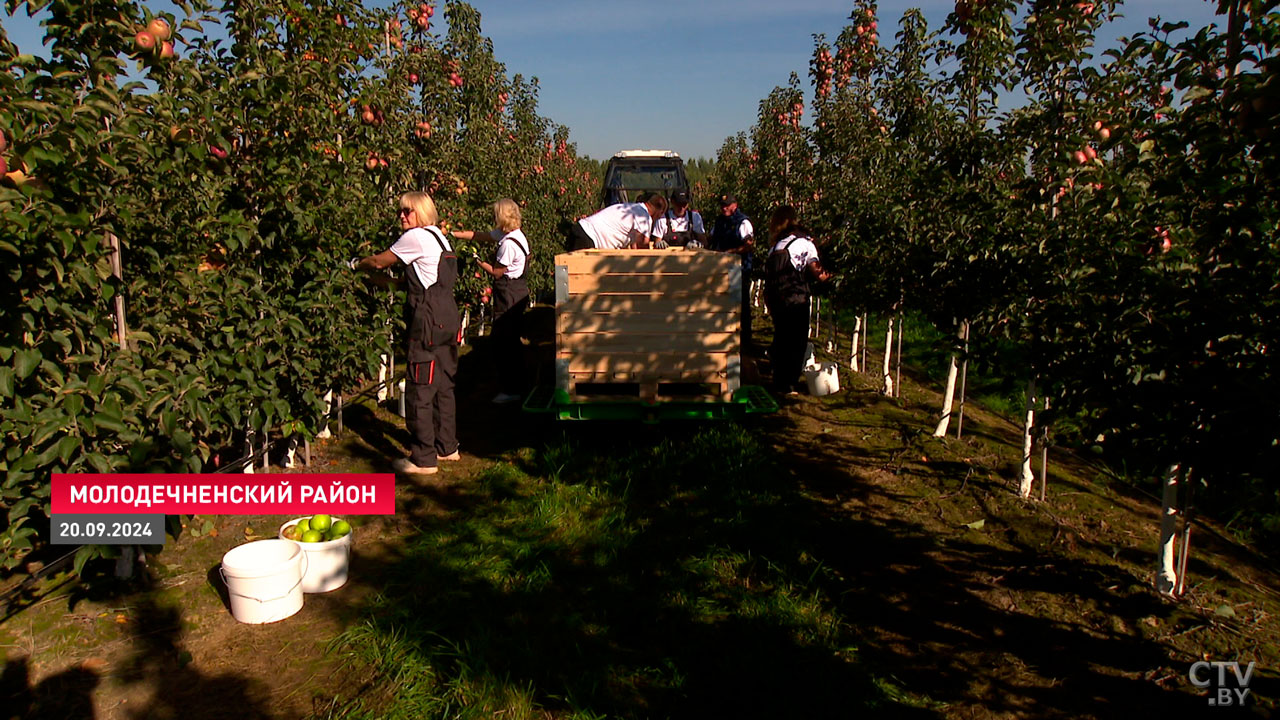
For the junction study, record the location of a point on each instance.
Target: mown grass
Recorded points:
(601, 577)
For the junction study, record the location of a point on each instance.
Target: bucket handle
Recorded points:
(306, 565)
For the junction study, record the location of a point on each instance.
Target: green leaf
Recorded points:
(73, 403)
(976, 524)
(84, 555)
(99, 462)
(168, 421)
(109, 421)
(156, 401)
(67, 446)
(25, 361)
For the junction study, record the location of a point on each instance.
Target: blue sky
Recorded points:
(684, 75)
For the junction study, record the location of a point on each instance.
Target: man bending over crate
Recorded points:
(625, 225)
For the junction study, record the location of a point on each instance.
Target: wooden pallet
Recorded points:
(651, 324)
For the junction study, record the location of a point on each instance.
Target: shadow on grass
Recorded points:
(645, 577)
(631, 572)
(69, 694)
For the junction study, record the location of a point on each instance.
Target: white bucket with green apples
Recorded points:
(327, 560)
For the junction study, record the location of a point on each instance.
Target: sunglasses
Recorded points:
(406, 212)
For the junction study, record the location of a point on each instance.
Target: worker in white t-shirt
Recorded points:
(679, 225)
(791, 266)
(510, 296)
(625, 225)
(432, 328)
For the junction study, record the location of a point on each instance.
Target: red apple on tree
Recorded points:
(159, 28)
(145, 41)
(166, 50)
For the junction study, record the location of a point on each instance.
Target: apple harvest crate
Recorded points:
(648, 335)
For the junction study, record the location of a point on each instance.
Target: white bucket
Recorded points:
(823, 380)
(264, 580)
(327, 561)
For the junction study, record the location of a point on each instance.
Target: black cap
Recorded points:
(727, 199)
(679, 197)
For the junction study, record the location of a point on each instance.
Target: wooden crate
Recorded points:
(652, 324)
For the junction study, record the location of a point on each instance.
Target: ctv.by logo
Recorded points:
(1222, 696)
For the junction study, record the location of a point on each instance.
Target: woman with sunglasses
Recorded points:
(432, 324)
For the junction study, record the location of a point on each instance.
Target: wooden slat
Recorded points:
(642, 342)
(702, 284)
(648, 363)
(682, 376)
(652, 390)
(654, 302)
(682, 323)
(599, 262)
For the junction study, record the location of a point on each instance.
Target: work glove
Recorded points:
(660, 244)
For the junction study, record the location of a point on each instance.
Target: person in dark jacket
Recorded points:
(432, 327)
(733, 233)
(791, 265)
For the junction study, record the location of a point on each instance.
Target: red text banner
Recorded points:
(224, 494)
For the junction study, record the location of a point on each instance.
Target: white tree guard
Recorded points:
(249, 437)
(1028, 478)
(384, 372)
(290, 453)
(888, 389)
(853, 344)
(949, 395)
(1167, 578)
(324, 433)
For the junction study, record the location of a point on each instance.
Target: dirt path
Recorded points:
(994, 607)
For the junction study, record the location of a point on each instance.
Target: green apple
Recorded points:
(321, 522)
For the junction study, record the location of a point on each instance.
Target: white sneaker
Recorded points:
(406, 467)
(504, 398)
(455, 455)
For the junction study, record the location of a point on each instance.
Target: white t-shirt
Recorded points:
(611, 227)
(802, 251)
(745, 230)
(418, 249)
(509, 255)
(691, 221)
